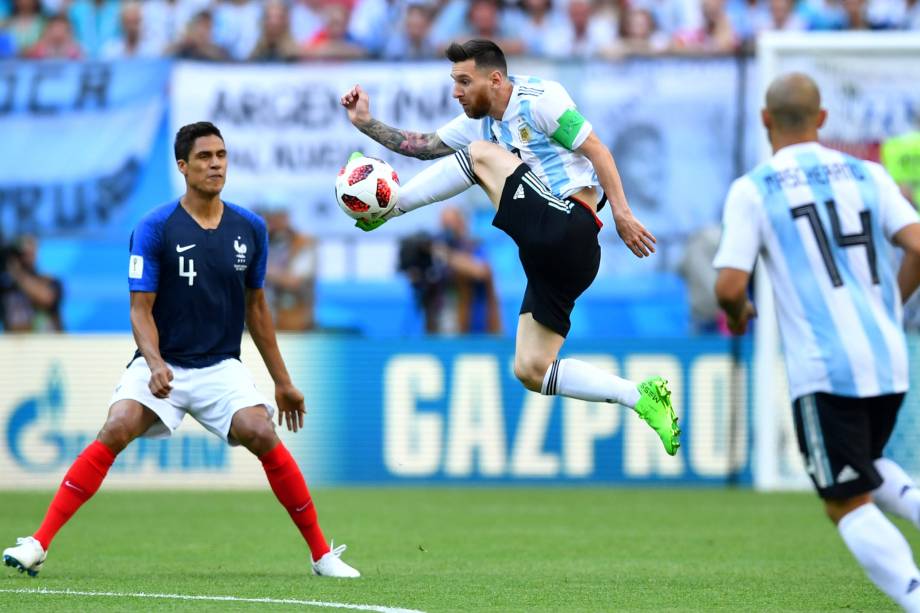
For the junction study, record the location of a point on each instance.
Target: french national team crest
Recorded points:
(240, 249)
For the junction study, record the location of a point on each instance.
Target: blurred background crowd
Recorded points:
(301, 30)
(676, 154)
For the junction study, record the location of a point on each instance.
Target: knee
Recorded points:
(481, 150)
(257, 434)
(837, 509)
(530, 371)
(117, 433)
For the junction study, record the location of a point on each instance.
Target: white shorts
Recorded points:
(211, 395)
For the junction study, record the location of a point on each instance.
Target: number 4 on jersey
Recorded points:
(187, 272)
(862, 238)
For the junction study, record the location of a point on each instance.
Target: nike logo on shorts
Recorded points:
(181, 249)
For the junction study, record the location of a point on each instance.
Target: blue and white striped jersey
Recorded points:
(542, 126)
(823, 222)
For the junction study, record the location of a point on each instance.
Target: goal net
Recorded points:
(869, 85)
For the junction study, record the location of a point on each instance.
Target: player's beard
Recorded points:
(479, 107)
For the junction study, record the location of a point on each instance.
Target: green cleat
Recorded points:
(655, 408)
(355, 156)
(370, 224)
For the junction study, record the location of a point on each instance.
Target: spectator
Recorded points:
(290, 279)
(236, 26)
(584, 36)
(333, 40)
(485, 21)
(95, 23)
(29, 301)
(901, 158)
(671, 16)
(165, 21)
(276, 44)
(539, 25)
(824, 14)
(57, 41)
(696, 269)
(782, 18)
(7, 45)
(25, 25)
(131, 42)
(414, 41)
(747, 16)
(715, 36)
(451, 279)
(198, 41)
(912, 15)
(371, 23)
(856, 17)
(306, 19)
(639, 35)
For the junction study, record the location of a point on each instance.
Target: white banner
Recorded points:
(288, 136)
(54, 398)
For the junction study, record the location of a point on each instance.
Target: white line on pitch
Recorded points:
(311, 603)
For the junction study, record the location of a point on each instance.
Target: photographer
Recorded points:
(29, 301)
(451, 279)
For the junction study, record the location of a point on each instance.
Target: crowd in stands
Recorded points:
(295, 30)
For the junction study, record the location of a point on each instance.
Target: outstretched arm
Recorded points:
(259, 321)
(424, 146)
(639, 240)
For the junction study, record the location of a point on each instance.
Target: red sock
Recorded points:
(289, 486)
(79, 484)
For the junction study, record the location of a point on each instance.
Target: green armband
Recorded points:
(570, 124)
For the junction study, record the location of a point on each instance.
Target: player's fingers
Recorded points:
(280, 413)
(287, 420)
(649, 244)
(300, 415)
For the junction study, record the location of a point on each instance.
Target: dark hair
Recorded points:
(186, 136)
(485, 53)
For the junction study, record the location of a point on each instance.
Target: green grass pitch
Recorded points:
(456, 549)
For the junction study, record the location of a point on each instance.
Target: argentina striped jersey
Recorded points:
(823, 222)
(542, 126)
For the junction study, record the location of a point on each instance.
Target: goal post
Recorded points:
(869, 85)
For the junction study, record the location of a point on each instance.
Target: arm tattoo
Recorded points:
(411, 144)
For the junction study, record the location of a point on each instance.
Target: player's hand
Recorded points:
(160, 377)
(291, 407)
(358, 105)
(639, 240)
(739, 325)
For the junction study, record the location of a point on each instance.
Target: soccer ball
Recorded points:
(366, 188)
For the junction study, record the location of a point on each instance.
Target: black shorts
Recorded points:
(557, 245)
(841, 437)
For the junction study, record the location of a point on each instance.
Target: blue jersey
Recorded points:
(200, 278)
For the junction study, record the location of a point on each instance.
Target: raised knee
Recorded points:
(530, 372)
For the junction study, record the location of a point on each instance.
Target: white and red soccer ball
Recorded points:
(366, 188)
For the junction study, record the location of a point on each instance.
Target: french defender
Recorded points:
(196, 272)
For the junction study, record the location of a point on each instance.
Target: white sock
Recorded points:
(577, 379)
(883, 553)
(898, 494)
(444, 179)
